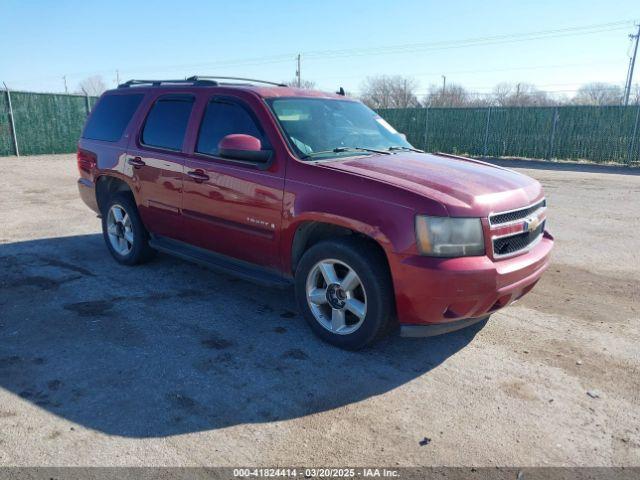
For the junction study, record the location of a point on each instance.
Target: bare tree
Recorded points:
(634, 97)
(389, 92)
(451, 96)
(93, 86)
(598, 93)
(306, 84)
(502, 93)
(520, 95)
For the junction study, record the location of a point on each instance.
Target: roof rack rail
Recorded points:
(197, 78)
(157, 83)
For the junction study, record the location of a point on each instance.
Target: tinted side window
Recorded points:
(223, 118)
(111, 116)
(167, 122)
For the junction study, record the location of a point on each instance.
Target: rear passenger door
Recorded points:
(233, 208)
(156, 160)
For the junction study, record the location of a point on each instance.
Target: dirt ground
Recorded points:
(171, 364)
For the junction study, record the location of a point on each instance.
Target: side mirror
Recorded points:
(242, 147)
(403, 135)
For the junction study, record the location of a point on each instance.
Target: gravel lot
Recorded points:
(171, 364)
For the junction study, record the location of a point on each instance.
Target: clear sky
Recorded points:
(40, 41)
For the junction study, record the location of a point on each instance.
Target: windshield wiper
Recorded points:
(349, 149)
(410, 149)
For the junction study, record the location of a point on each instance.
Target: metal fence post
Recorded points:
(12, 121)
(552, 135)
(86, 101)
(632, 142)
(426, 129)
(486, 133)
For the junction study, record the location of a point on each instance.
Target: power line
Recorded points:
(393, 49)
(239, 62)
(487, 70)
(476, 41)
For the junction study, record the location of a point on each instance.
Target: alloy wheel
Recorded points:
(120, 230)
(336, 296)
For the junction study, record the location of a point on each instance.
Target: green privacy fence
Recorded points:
(51, 123)
(599, 134)
(43, 122)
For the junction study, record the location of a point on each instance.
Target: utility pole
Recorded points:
(632, 63)
(117, 77)
(299, 58)
(444, 83)
(64, 78)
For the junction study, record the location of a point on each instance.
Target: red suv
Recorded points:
(280, 185)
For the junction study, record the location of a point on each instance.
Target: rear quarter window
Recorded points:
(111, 116)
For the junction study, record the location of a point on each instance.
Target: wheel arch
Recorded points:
(107, 185)
(309, 231)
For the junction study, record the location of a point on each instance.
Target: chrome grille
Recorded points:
(515, 215)
(517, 231)
(517, 243)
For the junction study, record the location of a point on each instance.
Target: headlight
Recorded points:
(449, 237)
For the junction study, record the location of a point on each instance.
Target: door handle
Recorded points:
(136, 162)
(198, 176)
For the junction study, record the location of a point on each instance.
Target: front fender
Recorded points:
(390, 225)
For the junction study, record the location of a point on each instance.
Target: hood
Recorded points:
(465, 187)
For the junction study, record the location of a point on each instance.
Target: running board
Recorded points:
(221, 263)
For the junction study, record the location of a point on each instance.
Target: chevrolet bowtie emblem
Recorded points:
(530, 224)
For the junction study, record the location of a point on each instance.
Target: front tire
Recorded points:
(123, 231)
(344, 289)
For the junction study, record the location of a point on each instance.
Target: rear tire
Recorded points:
(123, 231)
(343, 287)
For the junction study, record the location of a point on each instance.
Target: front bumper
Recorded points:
(434, 329)
(437, 291)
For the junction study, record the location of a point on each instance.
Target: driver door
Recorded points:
(232, 208)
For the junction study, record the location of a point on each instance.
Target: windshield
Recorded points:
(322, 128)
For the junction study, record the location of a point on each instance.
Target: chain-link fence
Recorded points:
(41, 123)
(599, 134)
